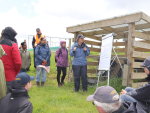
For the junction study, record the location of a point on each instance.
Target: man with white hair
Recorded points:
(106, 100)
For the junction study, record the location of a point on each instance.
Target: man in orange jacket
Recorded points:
(36, 41)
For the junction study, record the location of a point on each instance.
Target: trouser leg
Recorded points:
(38, 74)
(128, 89)
(58, 74)
(84, 77)
(8, 86)
(64, 69)
(34, 58)
(125, 98)
(76, 72)
(44, 75)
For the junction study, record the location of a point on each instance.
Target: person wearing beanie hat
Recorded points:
(141, 94)
(17, 100)
(106, 100)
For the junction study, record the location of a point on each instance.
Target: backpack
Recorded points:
(60, 51)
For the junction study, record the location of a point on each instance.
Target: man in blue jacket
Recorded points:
(79, 51)
(141, 94)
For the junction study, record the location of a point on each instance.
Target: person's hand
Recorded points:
(74, 48)
(44, 61)
(85, 49)
(123, 92)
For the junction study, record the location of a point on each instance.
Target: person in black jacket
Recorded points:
(142, 94)
(106, 100)
(17, 100)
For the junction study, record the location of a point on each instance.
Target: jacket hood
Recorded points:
(83, 44)
(9, 33)
(2, 52)
(17, 90)
(61, 42)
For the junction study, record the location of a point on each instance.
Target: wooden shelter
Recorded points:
(126, 27)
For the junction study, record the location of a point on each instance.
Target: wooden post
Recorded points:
(130, 48)
(75, 36)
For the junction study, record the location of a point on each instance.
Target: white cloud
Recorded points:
(55, 15)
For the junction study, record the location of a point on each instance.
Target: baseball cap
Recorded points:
(80, 36)
(104, 94)
(24, 78)
(146, 63)
(38, 29)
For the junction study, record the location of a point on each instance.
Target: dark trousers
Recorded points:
(8, 86)
(59, 73)
(80, 71)
(34, 57)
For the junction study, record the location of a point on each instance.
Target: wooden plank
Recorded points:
(146, 17)
(104, 23)
(136, 65)
(94, 49)
(142, 50)
(92, 43)
(98, 57)
(130, 48)
(141, 35)
(138, 84)
(137, 54)
(92, 63)
(119, 44)
(91, 71)
(138, 75)
(141, 45)
(110, 29)
(99, 50)
(125, 75)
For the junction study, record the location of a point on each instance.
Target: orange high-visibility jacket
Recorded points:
(37, 40)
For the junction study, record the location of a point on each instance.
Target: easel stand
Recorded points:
(113, 59)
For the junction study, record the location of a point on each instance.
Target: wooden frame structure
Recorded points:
(127, 27)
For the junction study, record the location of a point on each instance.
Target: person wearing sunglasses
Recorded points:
(107, 100)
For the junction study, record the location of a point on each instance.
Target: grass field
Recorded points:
(54, 99)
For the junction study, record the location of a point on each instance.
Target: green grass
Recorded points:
(54, 99)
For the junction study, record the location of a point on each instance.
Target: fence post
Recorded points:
(131, 29)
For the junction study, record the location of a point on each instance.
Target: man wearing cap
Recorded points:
(17, 100)
(36, 41)
(79, 51)
(106, 100)
(142, 94)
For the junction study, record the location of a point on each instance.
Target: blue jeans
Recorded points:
(38, 74)
(23, 70)
(125, 97)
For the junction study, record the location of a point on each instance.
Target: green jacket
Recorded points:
(2, 75)
(26, 59)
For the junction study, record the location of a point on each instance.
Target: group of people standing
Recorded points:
(15, 62)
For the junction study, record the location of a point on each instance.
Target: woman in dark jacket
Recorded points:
(61, 57)
(42, 61)
(25, 56)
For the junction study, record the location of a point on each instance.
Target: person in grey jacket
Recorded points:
(25, 56)
(141, 94)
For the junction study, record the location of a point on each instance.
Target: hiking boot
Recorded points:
(37, 83)
(59, 85)
(62, 83)
(42, 84)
